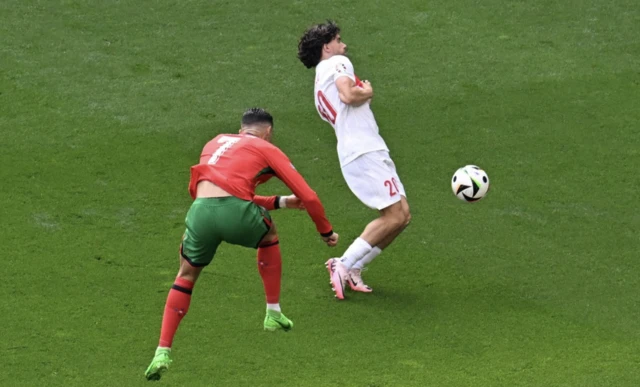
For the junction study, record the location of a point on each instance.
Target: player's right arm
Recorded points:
(352, 93)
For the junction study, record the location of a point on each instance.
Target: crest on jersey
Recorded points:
(340, 67)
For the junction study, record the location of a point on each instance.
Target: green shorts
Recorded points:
(210, 221)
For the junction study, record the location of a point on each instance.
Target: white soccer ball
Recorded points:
(470, 183)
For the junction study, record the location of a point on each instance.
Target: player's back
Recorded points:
(355, 126)
(235, 163)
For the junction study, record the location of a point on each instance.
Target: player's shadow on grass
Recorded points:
(393, 297)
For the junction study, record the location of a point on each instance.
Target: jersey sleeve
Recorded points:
(342, 67)
(286, 172)
(270, 203)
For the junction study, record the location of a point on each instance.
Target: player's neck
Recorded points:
(252, 133)
(326, 56)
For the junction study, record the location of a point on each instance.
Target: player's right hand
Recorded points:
(331, 240)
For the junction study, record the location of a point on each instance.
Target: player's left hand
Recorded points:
(292, 201)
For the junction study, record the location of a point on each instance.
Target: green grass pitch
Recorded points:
(104, 106)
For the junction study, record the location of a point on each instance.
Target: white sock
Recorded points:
(358, 249)
(371, 255)
(274, 307)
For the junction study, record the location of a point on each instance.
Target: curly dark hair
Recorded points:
(310, 45)
(256, 116)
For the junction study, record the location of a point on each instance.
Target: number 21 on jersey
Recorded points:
(326, 110)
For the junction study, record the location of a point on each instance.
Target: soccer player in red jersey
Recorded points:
(225, 208)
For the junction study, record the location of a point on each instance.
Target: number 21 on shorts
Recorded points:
(392, 184)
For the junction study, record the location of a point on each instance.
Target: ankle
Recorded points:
(274, 307)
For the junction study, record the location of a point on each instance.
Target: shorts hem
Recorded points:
(190, 261)
(389, 203)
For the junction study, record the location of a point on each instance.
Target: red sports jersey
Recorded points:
(237, 163)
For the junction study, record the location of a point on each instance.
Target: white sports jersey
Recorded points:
(355, 126)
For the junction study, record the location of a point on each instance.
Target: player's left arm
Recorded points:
(285, 171)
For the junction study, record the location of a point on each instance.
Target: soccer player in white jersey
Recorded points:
(342, 100)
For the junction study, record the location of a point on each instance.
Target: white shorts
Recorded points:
(372, 177)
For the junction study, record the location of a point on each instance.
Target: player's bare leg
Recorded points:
(392, 221)
(175, 309)
(270, 268)
(355, 273)
(386, 241)
(377, 235)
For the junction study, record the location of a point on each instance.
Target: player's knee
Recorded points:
(404, 218)
(397, 216)
(401, 219)
(188, 271)
(406, 213)
(396, 220)
(271, 235)
(407, 217)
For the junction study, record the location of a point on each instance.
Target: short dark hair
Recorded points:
(310, 45)
(256, 116)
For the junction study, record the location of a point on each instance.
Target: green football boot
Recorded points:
(159, 364)
(276, 320)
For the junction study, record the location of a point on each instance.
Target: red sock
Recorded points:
(270, 268)
(175, 309)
